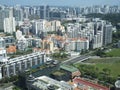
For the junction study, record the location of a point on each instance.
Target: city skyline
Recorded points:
(60, 2)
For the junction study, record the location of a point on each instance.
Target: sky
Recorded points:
(61, 2)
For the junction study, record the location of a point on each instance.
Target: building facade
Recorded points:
(9, 23)
(12, 67)
(107, 34)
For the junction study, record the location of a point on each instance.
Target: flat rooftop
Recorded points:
(18, 59)
(59, 73)
(44, 81)
(69, 68)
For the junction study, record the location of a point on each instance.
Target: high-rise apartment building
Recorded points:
(38, 26)
(107, 34)
(4, 13)
(9, 23)
(18, 13)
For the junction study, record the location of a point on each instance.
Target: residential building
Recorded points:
(3, 56)
(18, 13)
(67, 46)
(30, 42)
(73, 45)
(37, 42)
(25, 30)
(22, 44)
(18, 34)
(107, 34)
(11, 67)
(38, 26)
(4, 13)
(55, 24)
(97, 40)
(26, 12)
(46, 44)
(3, 60)
(82, 44)
(9, 23)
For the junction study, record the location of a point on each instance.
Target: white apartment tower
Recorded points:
(9, 23)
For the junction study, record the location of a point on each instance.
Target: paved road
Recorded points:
(76, 59)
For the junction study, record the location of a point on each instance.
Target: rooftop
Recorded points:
(69, 68)
(43, 82)
(58, 73)
(17, 59)
(117, 83)
(90, 84)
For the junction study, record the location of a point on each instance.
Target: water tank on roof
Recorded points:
(117, 84)
(30, 79)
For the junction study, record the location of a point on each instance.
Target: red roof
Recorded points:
(11, 49)
(93, 85)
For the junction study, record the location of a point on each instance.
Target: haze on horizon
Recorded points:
(60, 2)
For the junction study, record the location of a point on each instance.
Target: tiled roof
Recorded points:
(11, 49)
(90, 84)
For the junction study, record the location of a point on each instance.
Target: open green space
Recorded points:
(105, 70)
(114, 53)
(112, 63)
(114, 68)
(104, 60)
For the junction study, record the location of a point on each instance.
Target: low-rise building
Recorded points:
(71, 71)
(46, 83)
(82, 84)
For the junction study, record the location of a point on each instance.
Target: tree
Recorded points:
(63, 55)
(15, 88)
(100, 53)
(106, 71)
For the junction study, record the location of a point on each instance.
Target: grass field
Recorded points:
(114, 53)
(104, 60)
(111, 63)
(114, 68)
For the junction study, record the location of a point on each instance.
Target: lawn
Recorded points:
(114, 53)
(112, 63)
(114, 68)
(104, 60)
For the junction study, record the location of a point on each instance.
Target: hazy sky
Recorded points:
(61, 2)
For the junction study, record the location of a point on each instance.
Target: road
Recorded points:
(76, 59)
